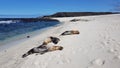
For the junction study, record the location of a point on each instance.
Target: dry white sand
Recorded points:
(97, 46)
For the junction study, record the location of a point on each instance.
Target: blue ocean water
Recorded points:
(14, 29)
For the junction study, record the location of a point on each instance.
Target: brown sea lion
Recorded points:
(44, 48)
(70, 32)
(41, 50)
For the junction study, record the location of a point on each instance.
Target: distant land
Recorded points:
(74, 14)
(59, 14)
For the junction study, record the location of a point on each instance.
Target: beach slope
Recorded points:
(97, 45)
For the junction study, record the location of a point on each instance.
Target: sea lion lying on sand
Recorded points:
(71, 32)
(42, 49)
(74, 20)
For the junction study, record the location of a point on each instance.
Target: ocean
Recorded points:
(11, 30)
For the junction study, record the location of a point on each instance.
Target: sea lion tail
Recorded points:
(24, 55)
(28, 53)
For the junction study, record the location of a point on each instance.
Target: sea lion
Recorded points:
(71, 32)
(42, 49)
(74, 20)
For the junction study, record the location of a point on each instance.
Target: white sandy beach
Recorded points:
(97, 45)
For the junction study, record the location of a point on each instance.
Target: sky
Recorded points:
(45, 7)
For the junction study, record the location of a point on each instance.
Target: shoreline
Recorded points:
(7, 56)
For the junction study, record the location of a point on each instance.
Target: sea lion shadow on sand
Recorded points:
(44, 48)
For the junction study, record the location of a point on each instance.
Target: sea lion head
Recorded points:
(75, 32)
(55, 40)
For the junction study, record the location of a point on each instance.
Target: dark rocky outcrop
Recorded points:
(73, 14)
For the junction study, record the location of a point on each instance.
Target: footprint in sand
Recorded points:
(114, 51)
(105, 43)
(118, 57)
(98, 62)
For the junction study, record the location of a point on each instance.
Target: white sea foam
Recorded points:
(8, 22)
